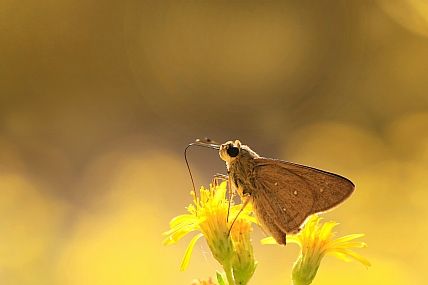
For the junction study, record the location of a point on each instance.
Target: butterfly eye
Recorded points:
(233, 151)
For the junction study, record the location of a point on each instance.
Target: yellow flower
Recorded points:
(209, 215)
(243, 262)
(315, 242)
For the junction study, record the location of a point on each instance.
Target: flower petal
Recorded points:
(325, 232)
(187, 254)
(179, 228)
(219, 194)
(344, 239)
(340, 256)
(310, 229)
(348, 244)
(243, 216)
(355, 256)
(268, 240)
(178, 234)
(294, 239)
(182, 219)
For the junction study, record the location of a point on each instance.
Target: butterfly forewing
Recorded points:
(325, 190)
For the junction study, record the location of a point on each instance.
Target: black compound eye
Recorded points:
(233, 151)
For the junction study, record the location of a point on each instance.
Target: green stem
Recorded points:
(228, 270)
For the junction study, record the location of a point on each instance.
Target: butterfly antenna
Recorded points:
(204, 143)
(190, 172)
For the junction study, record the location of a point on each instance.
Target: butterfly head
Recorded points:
(229, 151)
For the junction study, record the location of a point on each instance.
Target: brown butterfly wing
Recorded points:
(274, 199)
(287, 193)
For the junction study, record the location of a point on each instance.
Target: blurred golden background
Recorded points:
(100, 98)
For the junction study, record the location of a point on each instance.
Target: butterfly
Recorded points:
(283, 194)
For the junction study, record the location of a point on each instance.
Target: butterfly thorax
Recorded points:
(240, 171)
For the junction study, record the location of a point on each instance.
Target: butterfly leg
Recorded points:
(223, 177)
(242, 208)
(219, 177)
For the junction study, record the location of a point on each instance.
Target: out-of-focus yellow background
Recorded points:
(98, 100)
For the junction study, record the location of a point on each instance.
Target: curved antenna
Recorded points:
(208, 143)
(204, 143)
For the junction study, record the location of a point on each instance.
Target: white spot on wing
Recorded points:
(276, 183)
(295, 192)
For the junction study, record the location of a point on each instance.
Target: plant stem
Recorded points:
(228, 270)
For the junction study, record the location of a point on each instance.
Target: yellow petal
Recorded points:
(343, 239)
(311, 229)
(251, 219)
(189, 249)
(355, 256)
(354, 244)
(294, 239)
(268, 240)
(219, 194)
(340, 256)
(183, 226)
(178, 234)
(326, 230)
(235, 209)
(176, 229)
(182, 219)
(168, 241)
(243, 216)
